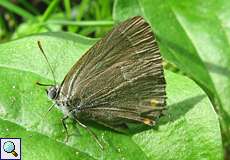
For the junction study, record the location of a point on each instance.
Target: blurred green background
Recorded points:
(22, 17)
(194, 38)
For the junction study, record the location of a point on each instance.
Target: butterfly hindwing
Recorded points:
(120, 79)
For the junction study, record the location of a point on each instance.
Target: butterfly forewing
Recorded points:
(120, 79)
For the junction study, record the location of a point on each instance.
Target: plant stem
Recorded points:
(81, 23)
(49, 10)
(13, 8)
(67, 9)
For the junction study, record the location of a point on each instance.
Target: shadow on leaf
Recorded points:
(177, 110)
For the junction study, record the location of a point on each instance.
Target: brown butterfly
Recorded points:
(118, 81)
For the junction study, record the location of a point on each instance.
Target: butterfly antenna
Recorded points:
(41, 84)
(51, 69)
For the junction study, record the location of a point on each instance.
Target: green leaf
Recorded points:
(193, 35)
(190, 129)
(123, 10)
(36, 146)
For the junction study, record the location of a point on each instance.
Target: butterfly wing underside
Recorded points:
(120, 79)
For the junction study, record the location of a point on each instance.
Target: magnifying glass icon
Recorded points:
(9, 147)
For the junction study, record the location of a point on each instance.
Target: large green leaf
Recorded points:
(190, 129)
(193, 35)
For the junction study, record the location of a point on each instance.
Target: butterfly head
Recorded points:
(52, 92)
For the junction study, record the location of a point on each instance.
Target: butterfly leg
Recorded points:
(76, 128)
(63, 120)
(91, 132)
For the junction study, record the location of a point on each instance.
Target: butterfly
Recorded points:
(118, 81)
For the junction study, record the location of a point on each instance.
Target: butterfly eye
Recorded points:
(52, 92)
